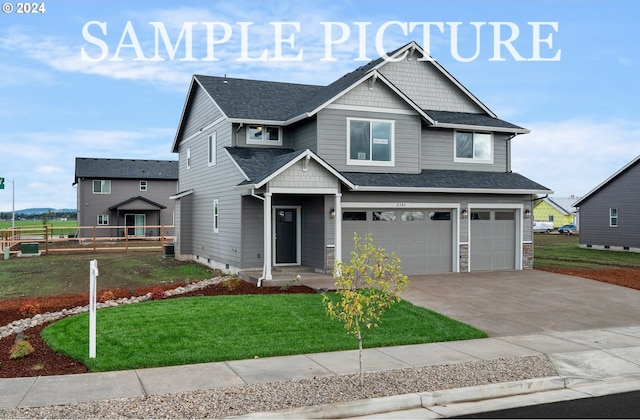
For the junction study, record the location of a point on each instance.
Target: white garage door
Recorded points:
(493, 240)
(421, 238)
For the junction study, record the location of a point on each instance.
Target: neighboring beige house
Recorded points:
(281, 174)
(125, 192)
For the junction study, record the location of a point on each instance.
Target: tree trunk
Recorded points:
(359, 337)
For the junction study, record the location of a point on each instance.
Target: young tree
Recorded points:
(366, 287)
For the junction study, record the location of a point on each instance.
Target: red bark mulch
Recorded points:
(44, 361)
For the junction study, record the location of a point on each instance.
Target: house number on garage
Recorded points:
(401, 204)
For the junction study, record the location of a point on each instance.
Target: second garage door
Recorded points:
(421, 238)
(493, 240)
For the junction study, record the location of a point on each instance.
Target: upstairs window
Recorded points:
(473, 147)
(262, 134)
(101, 186)
(370, 142)
(212, 146)
(143, 185)
(613, 217)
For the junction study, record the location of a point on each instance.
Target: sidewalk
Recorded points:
(599, 359)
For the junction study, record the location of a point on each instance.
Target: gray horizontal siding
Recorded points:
(438, 152)
(332, 140)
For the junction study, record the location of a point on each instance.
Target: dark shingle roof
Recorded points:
(466, 118)
(257, 99)
(447, 179)
(137, 198)
(126, 168)
(259, 163)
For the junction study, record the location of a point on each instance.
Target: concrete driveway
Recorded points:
(525, 302)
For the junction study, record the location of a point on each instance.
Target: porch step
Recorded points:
(293, 269)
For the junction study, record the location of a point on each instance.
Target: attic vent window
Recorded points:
(263, 134)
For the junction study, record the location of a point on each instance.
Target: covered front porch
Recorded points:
(286, 276)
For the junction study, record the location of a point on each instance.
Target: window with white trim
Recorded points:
(370, 142)
(103, 219)
(212, 145)
(473, 147)
(143, 185)
(264, 134)
(216, 216)
(188, 157)
(101, 186)
(613, 217)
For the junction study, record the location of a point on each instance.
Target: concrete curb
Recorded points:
(416, 400)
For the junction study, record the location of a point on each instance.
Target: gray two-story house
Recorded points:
(124, 197)
(276, 174)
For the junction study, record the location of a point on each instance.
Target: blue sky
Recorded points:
(581, 105)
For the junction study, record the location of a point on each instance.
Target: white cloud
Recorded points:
(573, 156)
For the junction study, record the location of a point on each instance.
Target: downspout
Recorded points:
(509, 152)
(235, 141)
(264, 266)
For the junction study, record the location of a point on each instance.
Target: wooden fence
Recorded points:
(88, 238)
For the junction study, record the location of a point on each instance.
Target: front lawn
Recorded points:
(211, 329)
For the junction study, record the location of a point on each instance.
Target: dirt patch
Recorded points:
(627, 277)
(44, 361)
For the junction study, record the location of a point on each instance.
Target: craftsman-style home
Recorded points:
(277, 174)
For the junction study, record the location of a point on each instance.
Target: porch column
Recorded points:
(266, 272)
(338, 230)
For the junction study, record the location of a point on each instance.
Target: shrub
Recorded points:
(157, 293)
(29, 309)
(107, 295)
(21, 349)
(231, 283)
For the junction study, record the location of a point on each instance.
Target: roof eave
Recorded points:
(451, 190)
(514, 130)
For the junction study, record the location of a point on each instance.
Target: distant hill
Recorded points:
(42, 210)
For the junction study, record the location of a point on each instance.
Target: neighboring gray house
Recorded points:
(610, 213)
(276, 174)
(125, 192)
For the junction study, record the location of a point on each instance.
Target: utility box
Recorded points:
(169, 251)
(29, 249)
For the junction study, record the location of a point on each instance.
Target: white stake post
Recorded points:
(93, 282)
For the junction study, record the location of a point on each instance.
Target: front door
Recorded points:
(135, 224)
(286, 238)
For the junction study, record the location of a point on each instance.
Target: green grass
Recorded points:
(562, 251)
(206, 329)
(60, 227)
(57, 274)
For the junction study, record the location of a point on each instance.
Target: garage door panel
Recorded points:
(493, 243)
(423, 245)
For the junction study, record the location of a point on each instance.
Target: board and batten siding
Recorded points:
(304, 135)
(438, 151)
(427, 86)
(332, 140)
(622, 193)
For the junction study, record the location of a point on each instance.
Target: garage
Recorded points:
(421, 238)
(493, 240)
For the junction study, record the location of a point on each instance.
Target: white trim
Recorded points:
(371, 162)
(464, 127)
(449, 190)
(180, 195)
(371, 109)
(303, 190)
(298, 234)
(146, 185)
(216, 215)
(472, 159)
(212, 149)
(263, 141)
